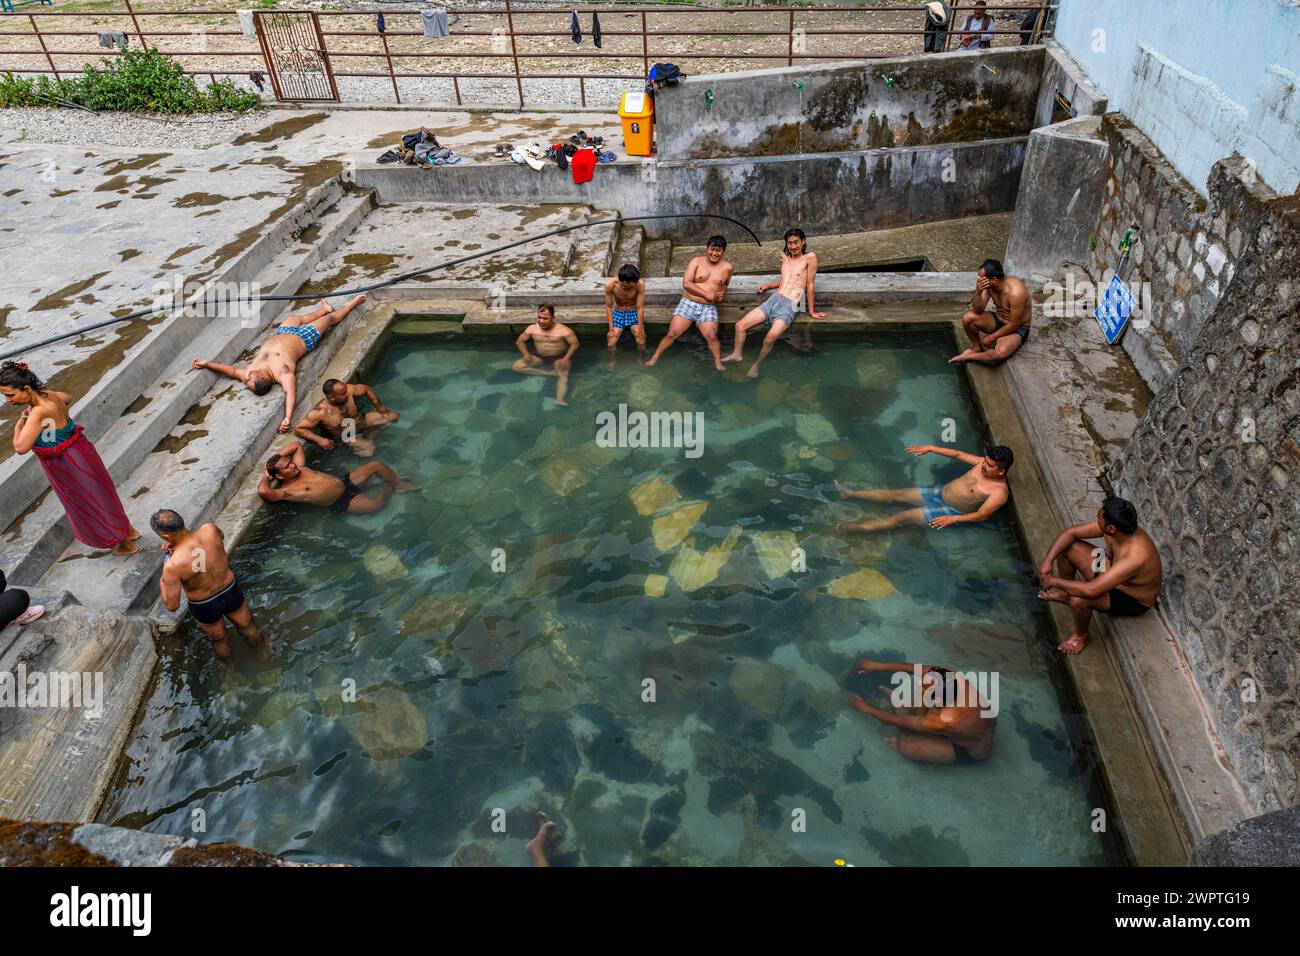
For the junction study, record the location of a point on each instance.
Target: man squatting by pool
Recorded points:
(198, 565)
(277, 359)
(1127, 585)
(555, 344)
(339, 418)
(625, 309)
(995, 335)
(704, 286)
(798, 274)
(341, 494)
(973, 496)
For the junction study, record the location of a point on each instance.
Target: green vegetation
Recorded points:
(144, 81)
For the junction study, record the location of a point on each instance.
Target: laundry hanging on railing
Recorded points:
(246, 25)
(379, 23)
(112, 39)
(435, 22)
(595, 30)
(575, 29)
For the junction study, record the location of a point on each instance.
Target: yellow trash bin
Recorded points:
(637, 111)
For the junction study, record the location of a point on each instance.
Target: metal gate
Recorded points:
(294, 50)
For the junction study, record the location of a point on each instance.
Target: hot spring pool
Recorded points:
(480, 689)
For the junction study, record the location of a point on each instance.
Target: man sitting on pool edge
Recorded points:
(1128, 587)
(974, 496)
(625, 309)
(339, 493)
(277, 360)
(995, 335)
(555, 344)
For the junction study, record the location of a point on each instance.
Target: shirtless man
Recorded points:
(949, 734)
(198, 565)
(972, 497)
(340, 494)
(1129, 585)
(798, 271)
(704, 285)
(341, 420)
(994, 337)
(555, 344)
(277, 359)
(625, 309)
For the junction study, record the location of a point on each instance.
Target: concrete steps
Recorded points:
(628, 246)
(656, 255)
(592, 250)
(41, 545)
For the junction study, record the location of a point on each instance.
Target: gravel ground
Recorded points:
(74, 127)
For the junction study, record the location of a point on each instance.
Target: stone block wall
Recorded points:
(1186, 252)
(1214, 466)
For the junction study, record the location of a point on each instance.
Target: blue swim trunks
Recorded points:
(697, 312)
(933, 504)
(308, 333)
(624, 318)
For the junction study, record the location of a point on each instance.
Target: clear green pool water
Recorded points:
(481, 690)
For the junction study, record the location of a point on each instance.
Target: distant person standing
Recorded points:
(73, 467)
(938, 17)
(977, 32)
(16, 605)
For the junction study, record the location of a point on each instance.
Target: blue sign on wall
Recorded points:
(1114, 309)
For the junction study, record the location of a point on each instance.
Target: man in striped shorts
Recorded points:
(625, 309)
(704, 285)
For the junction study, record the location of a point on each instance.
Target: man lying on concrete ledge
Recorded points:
(277, 359)
(1127, 584)
(994, 335)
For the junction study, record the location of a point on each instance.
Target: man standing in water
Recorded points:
(974, 496)
(277, 359)
(798, 272)
(959, 732)
(197, 564)
(555, 344)
(625, 309)
(995, 335)
(704, 285)
(1128, 587)
(341, 420)
(341, 494)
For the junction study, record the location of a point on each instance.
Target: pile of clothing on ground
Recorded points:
(420, 148)
(580, 154)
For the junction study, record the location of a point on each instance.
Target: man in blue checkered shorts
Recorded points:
(625, 309)
(703, 286)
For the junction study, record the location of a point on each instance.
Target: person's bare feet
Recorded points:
(133, 535)
(650, 363)
(536, 847)
(731, 357)
(404, 486)
(1073, 644)
(356, 300)
(1054, 594)
(719, 367)
(844, 492)
(753, 371)
(125, 547)
(857, 703)
(961, 357)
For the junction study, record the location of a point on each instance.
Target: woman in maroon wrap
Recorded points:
(71, 463)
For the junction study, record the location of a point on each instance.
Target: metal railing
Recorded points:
(791, 36)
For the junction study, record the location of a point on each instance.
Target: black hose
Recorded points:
(151, 310)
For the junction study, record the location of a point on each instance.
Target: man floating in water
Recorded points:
(704, 285)
(1128, 586)
(798, 273)
(995, 335)
(277, 359)
(555, 344)
(341, 420)
(339, 493)
(974, 496)
(958, 732)
(197, 564)
(625, 309)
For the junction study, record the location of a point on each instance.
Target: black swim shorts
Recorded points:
(1125, 605)
(212, 609)
(350, 491)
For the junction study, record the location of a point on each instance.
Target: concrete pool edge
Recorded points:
(1148, 818)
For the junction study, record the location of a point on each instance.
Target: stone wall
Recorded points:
(1214, 466)
(902, 101)
(1186, 251)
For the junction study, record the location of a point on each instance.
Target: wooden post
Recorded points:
(46, 49)
(952, 24)
(789, 50)
(1040, 23)
(645, 47)
(389, 57)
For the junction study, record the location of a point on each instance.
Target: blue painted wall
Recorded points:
(1202, 78)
